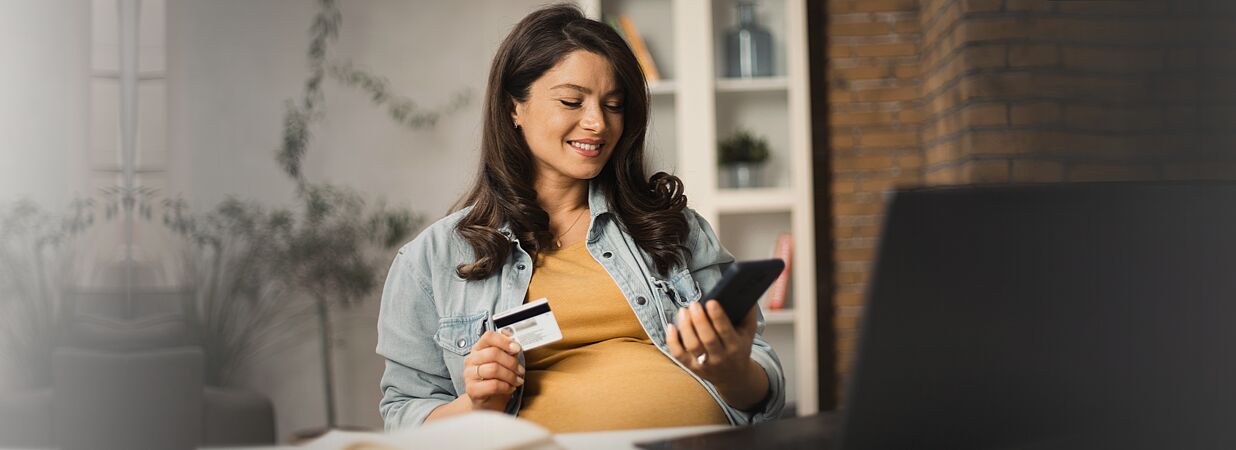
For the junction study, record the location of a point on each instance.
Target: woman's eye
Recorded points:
(571, 104)
(614, 107)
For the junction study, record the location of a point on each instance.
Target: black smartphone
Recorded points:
(742, 284)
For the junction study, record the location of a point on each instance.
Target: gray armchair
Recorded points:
(133, 385)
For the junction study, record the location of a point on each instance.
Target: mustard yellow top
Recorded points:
(605, 373)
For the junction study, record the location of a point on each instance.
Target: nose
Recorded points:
(593, 119)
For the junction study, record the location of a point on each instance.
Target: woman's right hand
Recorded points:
(492, 371)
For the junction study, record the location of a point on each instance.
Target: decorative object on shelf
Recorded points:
(639, 48)
(748, 47)
(780, 290)
(742, 159)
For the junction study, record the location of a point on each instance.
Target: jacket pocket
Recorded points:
(457, 334)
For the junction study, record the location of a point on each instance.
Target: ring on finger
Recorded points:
(701, 358)
(478, 373)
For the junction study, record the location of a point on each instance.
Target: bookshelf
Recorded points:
(694, 105)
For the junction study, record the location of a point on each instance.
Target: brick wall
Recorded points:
(997, 91)
(1041, 91)
(875, 113)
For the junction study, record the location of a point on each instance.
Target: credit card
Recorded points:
(532, 324)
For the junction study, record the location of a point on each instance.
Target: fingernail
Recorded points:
(670, 329)
(521, 370)
(514, 347)
(519, 380)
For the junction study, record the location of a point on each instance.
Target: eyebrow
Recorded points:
(582, 89)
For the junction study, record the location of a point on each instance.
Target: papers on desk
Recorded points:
(480, 430)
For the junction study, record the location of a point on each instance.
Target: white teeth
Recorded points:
(583, 146)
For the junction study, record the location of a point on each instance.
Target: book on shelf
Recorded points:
(639, 47)
(779, 293)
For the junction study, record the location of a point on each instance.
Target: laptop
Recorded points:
(1090, 315)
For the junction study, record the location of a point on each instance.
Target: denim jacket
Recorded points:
(430, 317)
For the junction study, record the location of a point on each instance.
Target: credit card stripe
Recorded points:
(519, 316)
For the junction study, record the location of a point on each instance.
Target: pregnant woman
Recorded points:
(562, 208)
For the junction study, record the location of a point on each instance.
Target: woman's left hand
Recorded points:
(707, 343)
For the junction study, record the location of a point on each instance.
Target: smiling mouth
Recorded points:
(586, 147)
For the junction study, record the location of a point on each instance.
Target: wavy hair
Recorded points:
(649, 208)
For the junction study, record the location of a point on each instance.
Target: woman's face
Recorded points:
(572, 118)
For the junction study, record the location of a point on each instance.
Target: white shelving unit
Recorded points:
(693, 107)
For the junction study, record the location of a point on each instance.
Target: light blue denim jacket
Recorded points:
(430, 318)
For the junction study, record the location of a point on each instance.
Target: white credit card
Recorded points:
(532, 324)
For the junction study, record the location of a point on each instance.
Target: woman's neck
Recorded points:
(562, 197)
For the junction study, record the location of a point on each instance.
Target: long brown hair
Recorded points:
(649, 208)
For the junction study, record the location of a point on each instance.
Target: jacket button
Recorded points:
(607, 255)
(641, 300)
(521, 266)
(462, 343)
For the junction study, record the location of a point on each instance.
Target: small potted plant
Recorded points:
(741, 158)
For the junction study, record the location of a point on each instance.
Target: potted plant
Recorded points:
(741, 158)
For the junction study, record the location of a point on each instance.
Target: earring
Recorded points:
(516, 125)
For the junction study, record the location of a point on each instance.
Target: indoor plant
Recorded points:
(741, 158)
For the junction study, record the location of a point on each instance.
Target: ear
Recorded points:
(517, 109)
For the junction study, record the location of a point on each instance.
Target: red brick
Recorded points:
(984, 57)
(891, 49)
(949, 175)
(999, 142)
(907, 27)
(1104, 59)
(862, 118)
(907, 71)
(860, 29)
(860, 72)
(849, 299)
(862, 163)
(888, 94)
(889, 139)
(843, 186)
(1035, 113)
(982, 5)
(1002, 28)
(843, 208)
(840, 140)
(985, 115)
(910, 116)
(987, 171)
(909, 162)
(942, 153)
(1030, 5)
(1034, 55)
(1112, 118)
(997, 85)
(884, 5)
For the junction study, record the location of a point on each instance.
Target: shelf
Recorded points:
(662, 87)
(764, 84)
(755, 200)
(780, 316)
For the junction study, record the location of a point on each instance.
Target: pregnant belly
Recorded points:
(613, 385)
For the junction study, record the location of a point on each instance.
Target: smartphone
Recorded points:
(742, 284)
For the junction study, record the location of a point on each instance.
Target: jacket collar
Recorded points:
(597, 205)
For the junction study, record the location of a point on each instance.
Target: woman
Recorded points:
(562, 209)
